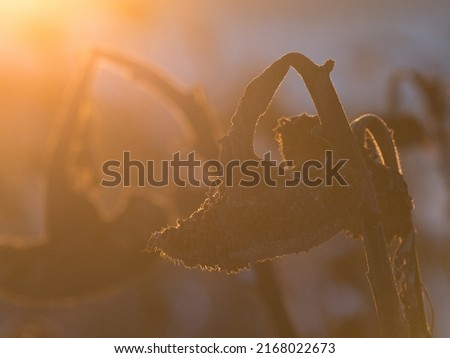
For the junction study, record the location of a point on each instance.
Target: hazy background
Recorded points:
(219, 45)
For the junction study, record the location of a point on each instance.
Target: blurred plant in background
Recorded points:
(216, 45)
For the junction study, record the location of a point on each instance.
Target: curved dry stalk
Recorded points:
(405, 260)
(260, 91)
(383, 137)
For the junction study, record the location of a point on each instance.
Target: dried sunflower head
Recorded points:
(298, 140)
(236, 225)
(228, 234)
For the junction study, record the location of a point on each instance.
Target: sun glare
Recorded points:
(26, 9)
(32, 19)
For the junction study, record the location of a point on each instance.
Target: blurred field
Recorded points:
(217, 46)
